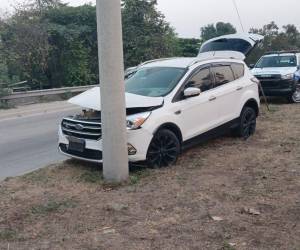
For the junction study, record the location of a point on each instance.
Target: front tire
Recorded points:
(164, 149)
(247, 123)
(295, 98)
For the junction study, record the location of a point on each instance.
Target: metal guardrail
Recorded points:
(46, 92)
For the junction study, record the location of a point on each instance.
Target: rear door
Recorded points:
(227, 87)
(242, 44)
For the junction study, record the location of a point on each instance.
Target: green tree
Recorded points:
(146, 34)
(24, 46)
(275, 39)
(210, 31)
(292, 35)
(50, 44)
(73, 41)
(188, 47)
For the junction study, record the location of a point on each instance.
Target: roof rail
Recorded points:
(282, 52)
(157, 60)
(208, 58)
(194, 62)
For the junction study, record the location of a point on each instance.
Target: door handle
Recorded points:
(212, 98)
(239, 88)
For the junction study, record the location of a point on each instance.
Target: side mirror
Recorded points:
(251, 66)
(190, 92)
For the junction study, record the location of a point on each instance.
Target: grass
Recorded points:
(67, 95)
(227, 246)
(5, 105)
(70, 206)
(91, 176)
(182, 180)
(8, 234)
(52, 207)
(273, 108)
(138, 174)
(87, 174)
(38, 177)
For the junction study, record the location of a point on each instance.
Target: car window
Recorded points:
(276, 61)
(238, 70)
(201, 80)
(223, 74)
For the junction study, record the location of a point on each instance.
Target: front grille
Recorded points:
(89, 154)
(81, 129)
(269, 77)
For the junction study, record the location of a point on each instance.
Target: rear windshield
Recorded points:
(276, 61)
(227, 44)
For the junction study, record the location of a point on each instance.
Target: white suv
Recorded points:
(173, 103)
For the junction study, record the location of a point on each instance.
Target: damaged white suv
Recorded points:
(173, 103)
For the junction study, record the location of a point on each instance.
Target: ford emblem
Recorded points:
(79, 127)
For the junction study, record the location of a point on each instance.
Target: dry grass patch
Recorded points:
(224, 194)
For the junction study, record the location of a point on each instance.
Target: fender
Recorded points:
(250, 96)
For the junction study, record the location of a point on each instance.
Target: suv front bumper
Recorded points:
(139, 139)
(283, 88)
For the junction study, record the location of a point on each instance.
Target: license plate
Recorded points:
(76, 144)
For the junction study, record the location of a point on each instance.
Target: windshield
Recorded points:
(154, 82)
(276, 61)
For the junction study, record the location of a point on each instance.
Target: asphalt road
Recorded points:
(28, 137)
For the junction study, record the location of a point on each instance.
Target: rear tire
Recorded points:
(163, 150)
(247, 123)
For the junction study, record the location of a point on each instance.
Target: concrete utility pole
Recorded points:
(111, 70)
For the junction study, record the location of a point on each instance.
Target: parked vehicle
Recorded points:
(296, 95)
(174, 103)
(277, 74)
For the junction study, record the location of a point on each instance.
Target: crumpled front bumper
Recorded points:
(139, 139)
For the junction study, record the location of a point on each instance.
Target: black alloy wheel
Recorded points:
(247, 123)
(164, 149)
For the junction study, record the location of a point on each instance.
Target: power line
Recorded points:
(237, 11)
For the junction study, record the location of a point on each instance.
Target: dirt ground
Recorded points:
(224, 194)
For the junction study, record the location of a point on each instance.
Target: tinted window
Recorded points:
(154, 81)
(227, 44)
(238, 70)
(223, 75)
(276, 61)
(201, 80)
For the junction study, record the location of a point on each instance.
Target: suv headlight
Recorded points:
(287, 77)
(137, 120)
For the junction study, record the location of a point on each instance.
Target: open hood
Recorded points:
(240, 43)
(90, 99)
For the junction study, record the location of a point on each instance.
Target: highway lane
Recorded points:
(28, 137)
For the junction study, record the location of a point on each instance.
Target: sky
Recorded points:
(187, 16)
